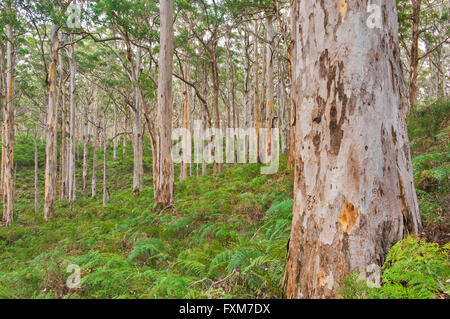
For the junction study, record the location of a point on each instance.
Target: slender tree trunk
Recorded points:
(164, 191)
(414, 58)
(50, 130)
(205, 91)
(8, 120)
(105, 141)
(235, 112)
(125, 135)
(186, 113)
(3, 94)
(215, 103)
(269, 83)
(247, 99)
(94, 155)
(138, 167)
(36, 172)
(115, 135)
(62, 99)
(354, 193)
(71, 148)
(255, 88)
(86, 139)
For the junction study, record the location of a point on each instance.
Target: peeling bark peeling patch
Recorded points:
(316, 142)
(336, 133)
(323, 60)
(325, 18)
(348, 217)
(394, 135)
(343, 6)
(329, 281)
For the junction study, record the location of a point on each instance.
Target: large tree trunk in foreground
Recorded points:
(163, 192)
(8, 122)
(354, 193)
(50, 130)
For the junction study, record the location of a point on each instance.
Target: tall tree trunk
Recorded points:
(50, 130)
(115, 135)
(86, 138)
(255, 88)
(94, 155)
(105, 141)
(71, 146)
(125, 135)
(62, 99)
(354, 193)
(283, 106)
(235, 112)
(215, 103)
(164, 192)
(269, 84)
(205, 91)
(3, 94)
(247, 99)
(8, 120)
(36, 172)
(186, 113)
(138, 168)
(414, 58)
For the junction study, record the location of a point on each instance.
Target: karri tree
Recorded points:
(354, 193)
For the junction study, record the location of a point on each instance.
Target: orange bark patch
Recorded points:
(348, 217)
(343, 8)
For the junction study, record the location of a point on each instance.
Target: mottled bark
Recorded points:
(3, 94)
(8, 125)
(354, 193)
(51, 129)
(71, 145)
(163, 193)
(62, 100)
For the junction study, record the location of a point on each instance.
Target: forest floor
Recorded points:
(222, 238)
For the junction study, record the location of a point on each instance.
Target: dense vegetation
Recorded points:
(223, 238)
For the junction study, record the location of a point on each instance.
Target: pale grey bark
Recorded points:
(164, 188)
(94, 155)
(51, 129)
(8, 126)
(71, 144)
(354, 193)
